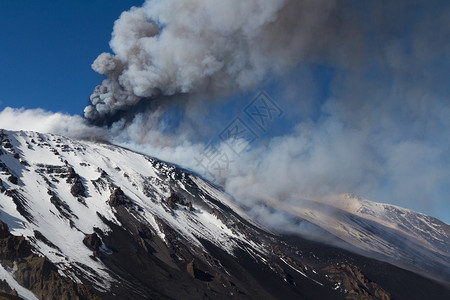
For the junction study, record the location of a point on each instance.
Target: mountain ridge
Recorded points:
(104, 217)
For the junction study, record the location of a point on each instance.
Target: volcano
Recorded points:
(90, 220)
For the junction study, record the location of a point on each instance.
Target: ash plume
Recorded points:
(378, 131)
(377, 125)
(383, 99)
(210, 48)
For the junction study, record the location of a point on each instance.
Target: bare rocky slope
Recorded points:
(84, 220)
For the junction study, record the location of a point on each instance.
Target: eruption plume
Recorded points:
(363, 87)
(208, 47)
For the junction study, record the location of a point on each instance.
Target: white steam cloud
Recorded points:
(49, 122)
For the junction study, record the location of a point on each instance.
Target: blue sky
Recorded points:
(47, 48)
(374, 101)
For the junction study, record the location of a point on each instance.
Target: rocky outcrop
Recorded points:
(93, 242)
(7, 144)
(37, 273)
(12, 247)
(100, 185)
(190, 268)
(8, 293)
(21, 203)
(189, 206)
(40, 276)
(2, 187)
(4, 230)
(4, 287)
(118, 198)
(13, 179)
(43, 239)
(77, 189)
(355, 284)
(281, 272)
(173, 199)
(196, 273)
(61, 206)
(218, 214)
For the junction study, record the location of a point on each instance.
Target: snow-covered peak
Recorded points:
(64, 190)
(417, 227)
(388, 232)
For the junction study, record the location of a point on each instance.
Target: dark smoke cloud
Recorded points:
(214, 47)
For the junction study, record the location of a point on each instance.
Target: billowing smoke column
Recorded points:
(210, 46)
(375, 122)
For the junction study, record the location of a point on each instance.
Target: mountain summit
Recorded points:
(87, 220)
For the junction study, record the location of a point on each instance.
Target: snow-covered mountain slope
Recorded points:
(62, 189)
(394, 234)
(421, 229)
(92, 219)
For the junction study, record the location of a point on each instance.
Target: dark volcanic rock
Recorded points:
(2, 187)
(367, 278)
(6, 292)
(356, 283)
(42, 277)
(13, 179)
(189, 206)
(21, 204)
(77, 189)
(4, 230)
(11, 246)
(160, 274)
(4, 286)
(93, 242)
(7, 144)
(173, 199)
(196, 273)
(42, 238)
(36, 273)
(118, 197)
(144, 232)
(190, 268)
(60, 205)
